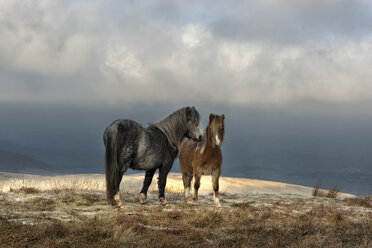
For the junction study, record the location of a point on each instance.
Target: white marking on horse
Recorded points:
(216, 201)
(218, 141)
(200, 130)
(187, 193)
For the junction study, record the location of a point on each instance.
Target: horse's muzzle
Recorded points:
(198, 139)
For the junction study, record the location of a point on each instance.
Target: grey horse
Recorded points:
(129, 145)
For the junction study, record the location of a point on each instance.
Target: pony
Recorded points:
(129, 145)
(203, 158)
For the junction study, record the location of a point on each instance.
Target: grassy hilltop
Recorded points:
(71, 211)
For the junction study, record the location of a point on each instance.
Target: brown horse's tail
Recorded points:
(111, 167)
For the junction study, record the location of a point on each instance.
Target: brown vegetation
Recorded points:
(25, 190)
(77, 218)
(332, 193)
(360, 201)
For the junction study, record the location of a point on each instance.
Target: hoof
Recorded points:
(217, 205)
(142, 198)
(115, 201)
(117, 204)
(163, 201)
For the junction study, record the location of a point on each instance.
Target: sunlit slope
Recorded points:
(133, 183)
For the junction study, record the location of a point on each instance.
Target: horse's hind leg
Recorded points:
(116, 199)
(146, 184)
(215, 180)
(186, 178)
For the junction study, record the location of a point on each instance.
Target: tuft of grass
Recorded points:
(319, 192)
(333, 192)
(39, 203)
(81, 198)
(174, 215)
(208, 219)
(244, 206)
(25, 190)
(316, 190)
(360, 201)
(337, 217)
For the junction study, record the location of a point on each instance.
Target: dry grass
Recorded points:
(30, 184)
(82, 219)
(79, 217)
(332, 193)
(317, 191)
(25, 190)
(360, 201)
(40, 183)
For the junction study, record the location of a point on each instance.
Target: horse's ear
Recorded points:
(223, 117)
(211, 117)
(188, 113)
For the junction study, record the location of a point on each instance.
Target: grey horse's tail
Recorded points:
(111, 167)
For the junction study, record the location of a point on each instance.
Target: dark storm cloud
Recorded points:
(165, 51)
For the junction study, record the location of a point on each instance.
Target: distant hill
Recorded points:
(17, 163)
(66, 159)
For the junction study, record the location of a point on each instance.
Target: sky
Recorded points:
(245, 52)
(292, 77)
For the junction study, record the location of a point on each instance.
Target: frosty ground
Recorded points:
(72, 211)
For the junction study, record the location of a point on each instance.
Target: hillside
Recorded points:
(71, 211)
(133, 183)
(16, 163)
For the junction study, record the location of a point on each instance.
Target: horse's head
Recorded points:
(193, 131)
(216, 129)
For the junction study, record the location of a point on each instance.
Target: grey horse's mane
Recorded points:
(203, 143)
(174, 126)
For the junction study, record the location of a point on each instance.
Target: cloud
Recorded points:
(290, 22)
(185, 51)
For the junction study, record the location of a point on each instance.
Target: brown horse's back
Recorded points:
(186, 155)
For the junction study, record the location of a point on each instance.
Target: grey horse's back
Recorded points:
(120, 128)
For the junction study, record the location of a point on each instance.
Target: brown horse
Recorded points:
(203, 158)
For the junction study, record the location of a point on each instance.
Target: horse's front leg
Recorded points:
(186, 178)
(197, 177)
(146, 184)
(215, 180)
(162, 181)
